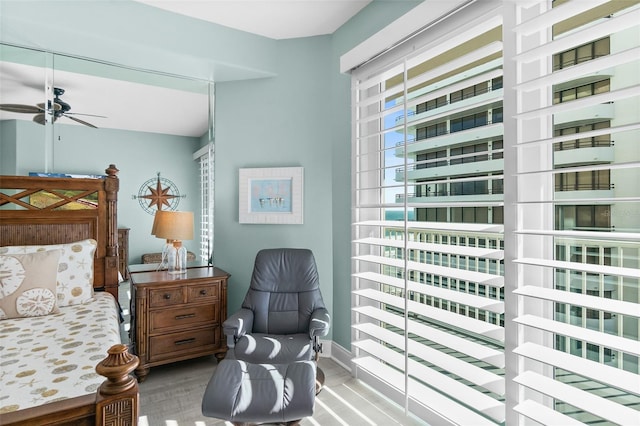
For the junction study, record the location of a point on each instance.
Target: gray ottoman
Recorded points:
(241, 392)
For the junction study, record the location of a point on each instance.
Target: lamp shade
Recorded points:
(173, 225)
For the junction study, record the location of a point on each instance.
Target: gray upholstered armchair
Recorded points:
(283, 314)
(270, 372)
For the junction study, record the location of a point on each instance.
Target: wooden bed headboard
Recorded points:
(37, 210)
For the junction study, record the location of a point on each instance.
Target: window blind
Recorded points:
(205, 158)
(577, 81)
(428, 280)
(496, 216)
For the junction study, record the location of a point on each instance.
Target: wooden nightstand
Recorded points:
(123, 252)
(177, 317)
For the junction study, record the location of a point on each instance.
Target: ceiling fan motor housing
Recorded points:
(64, 107)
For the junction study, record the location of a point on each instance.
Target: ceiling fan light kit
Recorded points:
(59, 109)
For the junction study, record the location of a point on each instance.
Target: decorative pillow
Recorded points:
(75, 269)
(28, 284)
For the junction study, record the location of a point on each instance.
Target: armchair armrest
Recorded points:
(319, 323)
(238, 324)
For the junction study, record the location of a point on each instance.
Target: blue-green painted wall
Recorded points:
(8, 152)
(138, 156)
(278, 103)
(137, 35)
(276, 122)
(300, 117)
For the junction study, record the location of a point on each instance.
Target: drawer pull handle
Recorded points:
(203, 292)
(179, 317)
(167, 296)
(185, 341)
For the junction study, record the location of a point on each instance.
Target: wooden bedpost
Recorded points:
(112, 185)
(117, 399)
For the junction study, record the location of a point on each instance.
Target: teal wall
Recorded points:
(276, 122)
(134, 34)
(27, 156)
(278, 103)
(138, 156)
(300, 117)
(8, 152)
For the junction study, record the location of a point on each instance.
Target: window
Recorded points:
(582, 91)
(496, 83)
(430, 159)
(598, 140)
(460, 301)
(584, 217)
(584, 181)
(431, 104)
(433, 215)
(470, 214)
(568, 232)
(205, 158)
(566, 260)
(580, 54)
(496, 115)
(431, 131)
(469, 92)
(469, 122)
(469, 187)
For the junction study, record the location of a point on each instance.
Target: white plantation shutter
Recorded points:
(577, 253)
(205, 157)
(428, 291)
(478, 305)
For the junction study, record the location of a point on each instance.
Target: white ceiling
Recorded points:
(277, 19)
(139, 107)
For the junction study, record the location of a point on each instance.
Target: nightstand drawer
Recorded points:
(170, 345)
(183, 316)
(165, 297)
(203, 292)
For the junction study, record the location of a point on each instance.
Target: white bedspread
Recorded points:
(53, 357)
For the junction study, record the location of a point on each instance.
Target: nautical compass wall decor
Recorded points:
(160, 193)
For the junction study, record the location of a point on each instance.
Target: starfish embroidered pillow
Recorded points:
(75, 269)
(28, 284)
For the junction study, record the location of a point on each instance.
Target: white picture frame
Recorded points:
(272, 195)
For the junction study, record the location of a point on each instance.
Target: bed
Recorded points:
(61, 360)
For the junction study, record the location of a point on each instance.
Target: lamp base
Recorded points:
(177, 259)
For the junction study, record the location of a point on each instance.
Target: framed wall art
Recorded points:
(271, 195)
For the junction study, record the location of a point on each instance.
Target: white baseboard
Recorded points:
(326, 348)
(340, 355)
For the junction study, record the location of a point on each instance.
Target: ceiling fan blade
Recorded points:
(80, 121)
(56, 107)
(27, 109)
(40, 119)
(88, 115)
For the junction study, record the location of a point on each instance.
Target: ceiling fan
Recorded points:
(59, 109)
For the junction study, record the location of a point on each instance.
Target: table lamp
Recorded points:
(174, 227)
